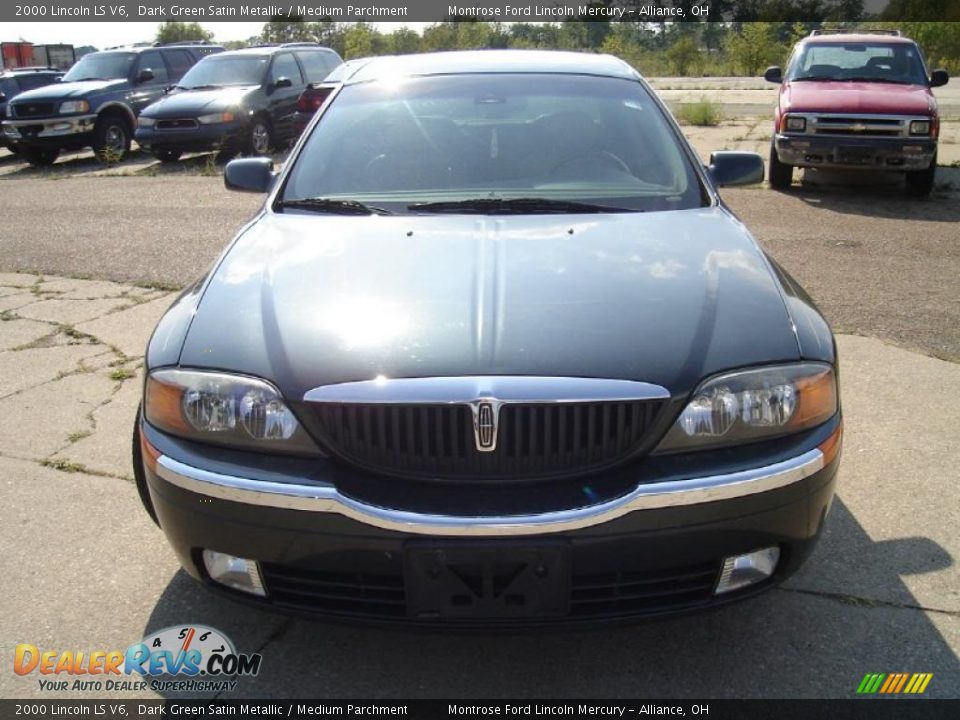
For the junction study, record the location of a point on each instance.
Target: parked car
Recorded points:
(856, 101)
(14, 82)
(493, 351)
(315, 94)
(239, 101)
(97, 103)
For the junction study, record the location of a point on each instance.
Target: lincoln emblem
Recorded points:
(485, 416)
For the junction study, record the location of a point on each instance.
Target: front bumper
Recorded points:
(657, 549)
(202, 138)
(879, 153)
(69, 129)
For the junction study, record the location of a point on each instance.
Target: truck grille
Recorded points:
(858, 126)
(533, 440)
(29, 109)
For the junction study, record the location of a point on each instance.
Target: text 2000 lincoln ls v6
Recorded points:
(493, 351)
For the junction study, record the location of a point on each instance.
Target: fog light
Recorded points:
(742, 570)
(235, 572)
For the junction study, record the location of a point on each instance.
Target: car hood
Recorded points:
(667, 297)
(857, 97)
(190, 103)
(63, 91)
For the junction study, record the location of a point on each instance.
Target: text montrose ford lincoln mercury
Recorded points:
(493, 351)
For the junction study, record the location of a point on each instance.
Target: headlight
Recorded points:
(225, 409)
(144, 121)
(749, 405)
(796, 124)
(74, 106)
(920, 127)
(221, 117)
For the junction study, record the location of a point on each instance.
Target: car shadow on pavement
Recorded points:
(881, 196)
(847, 613)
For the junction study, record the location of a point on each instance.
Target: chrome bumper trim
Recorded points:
(325, 499)
(52, 127)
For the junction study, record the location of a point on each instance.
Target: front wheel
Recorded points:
(920, 182)
(41, 157)
(261, 138)
(111, 139)
(780, 175)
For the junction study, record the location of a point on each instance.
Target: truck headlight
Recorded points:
(920, 127)
(795, 124)
(755, 404)
(225, 409)
(74, 106)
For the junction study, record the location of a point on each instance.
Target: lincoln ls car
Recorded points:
(493, 351)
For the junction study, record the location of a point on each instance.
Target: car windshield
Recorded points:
(863, 62)
(9, 87)
(222, 70)
(101, 66)
(496, 143)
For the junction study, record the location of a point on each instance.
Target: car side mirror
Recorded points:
(939, 78)
(146, 75)
(773, 74)
(729, 167)
(249, 175)
(283, 82)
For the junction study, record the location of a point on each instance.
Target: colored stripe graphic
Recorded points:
(894, 683)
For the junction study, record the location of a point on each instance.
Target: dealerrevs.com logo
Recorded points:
(193, 658)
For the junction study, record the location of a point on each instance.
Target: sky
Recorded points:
(106, 34)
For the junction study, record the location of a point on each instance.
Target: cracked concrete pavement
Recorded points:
(84, 567)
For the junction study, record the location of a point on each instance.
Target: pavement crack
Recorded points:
(859, 601)
(277, 633)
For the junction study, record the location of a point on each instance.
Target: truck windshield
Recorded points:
(495, 143)
(220, 70)
(101, 66)
(864, 62)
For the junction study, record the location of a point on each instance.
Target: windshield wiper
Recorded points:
(517, 206)
(88, 78)
(879, 80)
(201, 87)
(817, 78)
(334, 206)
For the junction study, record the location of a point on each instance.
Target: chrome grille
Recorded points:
(30, 109)
(858, 126)
(533, 439)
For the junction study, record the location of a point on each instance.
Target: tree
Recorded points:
(682, 54)
(169, 32)
(402, 41)
(359, 41)
(754, 46)
(283, 29)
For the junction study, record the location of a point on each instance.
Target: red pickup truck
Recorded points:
(859, 101)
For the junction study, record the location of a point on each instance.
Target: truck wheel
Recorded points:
(41, 157)
(261, 137)
(167, 156)
(920, 182)
(780, 174)
(111, 139)
(138, 475)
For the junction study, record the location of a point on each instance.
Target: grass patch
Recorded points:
(704, 113)
(122, 373)
(79, 435)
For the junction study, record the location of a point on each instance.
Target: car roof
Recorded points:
(487, 61)
(156, 46)
(846, 38)
(8, 72)
(273, 49)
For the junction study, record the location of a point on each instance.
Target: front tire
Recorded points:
(920, 182)
(780, 175)
(41, 157)
(111, 139)
(261, 137)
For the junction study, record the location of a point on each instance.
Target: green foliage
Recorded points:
(754, 47)
(682, 54)
(702, 113)
(179, 31)
(359, 41)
